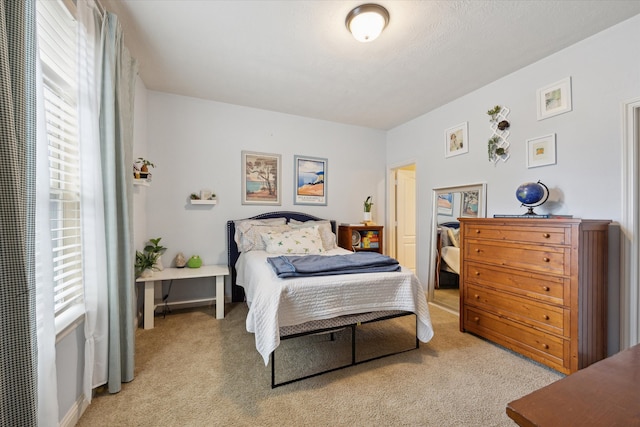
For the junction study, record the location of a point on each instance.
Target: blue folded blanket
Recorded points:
(319, 265)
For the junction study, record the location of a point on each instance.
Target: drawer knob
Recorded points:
(476, 319)
(477, 273)
(476, 296)
(546, 235)
(546, 288)
(545, 317)
(477, 250)
(477, 231)
(545, 346)
(545, 259)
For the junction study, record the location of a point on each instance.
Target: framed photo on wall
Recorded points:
(554, 99)
(469, 205)
(445, 204)
(261, 174)
(456, 140)
(310, 182)
(541, 151)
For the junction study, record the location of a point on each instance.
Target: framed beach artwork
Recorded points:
(541, 151)
(456, 140)
(445, 204)
(469, 205)
(310, 185)
(261, 178)
(554, 99)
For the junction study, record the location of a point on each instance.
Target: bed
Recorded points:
(448, 252)
(281, 308)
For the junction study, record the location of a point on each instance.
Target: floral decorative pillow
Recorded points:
(248, 231)
(301, 241)
(324, 228)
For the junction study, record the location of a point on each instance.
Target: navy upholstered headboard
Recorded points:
(237, 293)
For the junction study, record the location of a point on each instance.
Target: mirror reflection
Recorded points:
(451, 203)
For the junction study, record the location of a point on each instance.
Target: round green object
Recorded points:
(194, 262)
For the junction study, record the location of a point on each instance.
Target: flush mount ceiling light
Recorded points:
(367, 21)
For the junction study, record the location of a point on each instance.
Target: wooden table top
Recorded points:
(606, 393)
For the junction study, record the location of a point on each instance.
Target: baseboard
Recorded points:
(72, 416)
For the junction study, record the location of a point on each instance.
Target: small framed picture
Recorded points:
(456, 140)
(541, 151)
(469, 205)
(554, 99)
(261, 178)
(310, 181)
(445, 204)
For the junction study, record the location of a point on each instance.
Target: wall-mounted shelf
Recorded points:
(203, 202)
(143, 182)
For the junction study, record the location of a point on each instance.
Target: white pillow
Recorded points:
(248, 231)
(324, 227)
(297, 241)
(454, 236)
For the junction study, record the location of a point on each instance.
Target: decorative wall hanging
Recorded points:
(310, 185)
(554, 99)
(456, 140)
(498, 146)
(260, 178)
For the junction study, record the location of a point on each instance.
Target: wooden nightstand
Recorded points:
(361, 238)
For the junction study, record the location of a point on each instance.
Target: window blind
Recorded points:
(57, 44)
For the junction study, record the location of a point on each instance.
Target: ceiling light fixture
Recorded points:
(367, 21)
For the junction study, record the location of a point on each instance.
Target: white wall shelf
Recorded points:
(203, 202)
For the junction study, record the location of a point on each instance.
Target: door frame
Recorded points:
(629, 242)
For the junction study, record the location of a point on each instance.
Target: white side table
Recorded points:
(172, 273)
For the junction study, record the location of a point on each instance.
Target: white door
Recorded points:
(406, 218)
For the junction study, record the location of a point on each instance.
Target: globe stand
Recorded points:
(530, 206)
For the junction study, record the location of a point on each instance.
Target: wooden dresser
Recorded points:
(537, 287)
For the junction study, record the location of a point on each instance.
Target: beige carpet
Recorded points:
(194, 370)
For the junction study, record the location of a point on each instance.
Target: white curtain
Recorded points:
(107, 78)
(95, 275)
(45, 317)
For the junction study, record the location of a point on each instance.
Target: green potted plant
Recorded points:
(144, 263)
(141, 168)
(154, 247)
(367, 208)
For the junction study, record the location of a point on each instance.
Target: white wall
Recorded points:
(585, 182)
(197, 144)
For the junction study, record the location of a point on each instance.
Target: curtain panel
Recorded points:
(18, 342)
(107, 79)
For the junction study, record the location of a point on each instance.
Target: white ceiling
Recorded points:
(297, 57)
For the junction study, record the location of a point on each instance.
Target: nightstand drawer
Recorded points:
(553, 289)
(538, 314)
(545, 235)
(545, 259)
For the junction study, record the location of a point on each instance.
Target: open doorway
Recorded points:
(401, 230)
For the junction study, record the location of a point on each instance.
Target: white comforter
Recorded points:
(275, 302)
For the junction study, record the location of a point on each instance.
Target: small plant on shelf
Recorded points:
(154, 246)
(145, 164)
(367, 204)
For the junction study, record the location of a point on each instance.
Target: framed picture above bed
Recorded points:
(469, 205)
(261, 178)
(445, 204)
(456, 140)
(310, 181)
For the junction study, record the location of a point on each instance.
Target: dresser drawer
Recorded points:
(544, 316)
(545, 259)
(552, 289)
(545, 348)
(547, 235)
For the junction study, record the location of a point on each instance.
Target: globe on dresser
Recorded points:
(532, 194)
